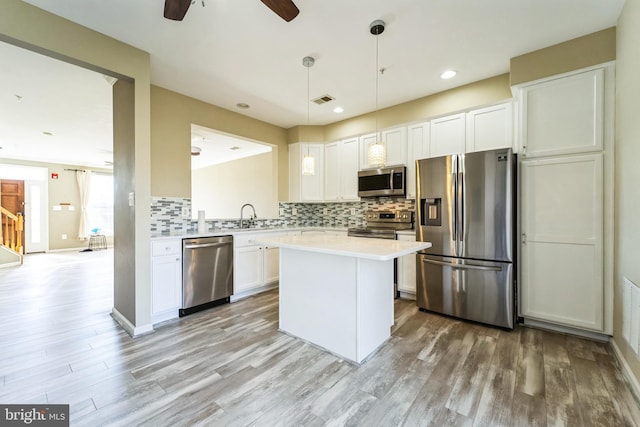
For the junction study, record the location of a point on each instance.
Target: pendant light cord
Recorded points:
(377, 65)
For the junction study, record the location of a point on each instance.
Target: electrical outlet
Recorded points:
(281, 211)
(325, 211)
(353, 211)
(294, 211)
(186, 212)
(64, 237)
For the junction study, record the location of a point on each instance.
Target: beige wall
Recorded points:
(484, 92)
(27, 26)
(171, 117)
(627, 198)
(221, 190)
(305, 134)
(582, 52)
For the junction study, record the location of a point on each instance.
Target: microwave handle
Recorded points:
(391, 179)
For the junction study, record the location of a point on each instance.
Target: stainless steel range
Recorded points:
(383, 225)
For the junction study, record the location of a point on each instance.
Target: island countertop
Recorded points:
(358, 247)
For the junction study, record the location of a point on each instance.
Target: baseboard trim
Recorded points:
(133, 331)
(254, 291)
(10, 264)
(566, 330)
(626, 369)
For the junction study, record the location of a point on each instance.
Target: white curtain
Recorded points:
(84, 186)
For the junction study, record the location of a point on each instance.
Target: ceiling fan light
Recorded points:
(308, 165)
(376, 154)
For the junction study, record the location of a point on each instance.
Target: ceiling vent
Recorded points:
(323, 99)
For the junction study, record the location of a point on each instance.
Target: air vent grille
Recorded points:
(323, 99)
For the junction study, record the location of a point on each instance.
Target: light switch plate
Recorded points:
(353, 211)
(294, 211)
(325, 211)
(132, 199)
(281, 211)
(186, 212)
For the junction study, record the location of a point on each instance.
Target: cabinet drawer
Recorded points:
(166, 247)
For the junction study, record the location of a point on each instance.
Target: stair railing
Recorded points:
(13, 227)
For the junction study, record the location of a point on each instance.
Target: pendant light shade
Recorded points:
(376, 155)
(308, 165)
(308, 161)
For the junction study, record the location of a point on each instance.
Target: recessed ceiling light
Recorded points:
(338, 110)
(47, 133)
(448, 74)
(242, 105)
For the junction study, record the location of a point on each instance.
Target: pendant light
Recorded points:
(376, 155)
(308, 161)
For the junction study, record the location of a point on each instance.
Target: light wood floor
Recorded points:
(230, 366)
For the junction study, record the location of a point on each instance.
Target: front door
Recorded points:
(12, 199)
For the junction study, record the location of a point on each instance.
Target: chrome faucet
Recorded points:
(251, 218)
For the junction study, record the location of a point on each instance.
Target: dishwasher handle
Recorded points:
(463, 266)
(206, 245)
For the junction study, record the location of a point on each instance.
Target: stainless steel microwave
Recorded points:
(389, 181)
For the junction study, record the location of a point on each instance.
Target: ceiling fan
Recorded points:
(285, 9)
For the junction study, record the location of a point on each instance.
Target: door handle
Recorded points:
(462, 266)
(391, 179)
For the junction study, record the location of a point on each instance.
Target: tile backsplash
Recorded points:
(166, 214)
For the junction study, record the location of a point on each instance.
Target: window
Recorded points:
(100, 209)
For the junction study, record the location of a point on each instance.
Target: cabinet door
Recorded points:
(562, 240)
(395, 142)
(407, 269)
(271, 265)
(349, 169)
(313, 185)
(564, 115)
(367, 141)
(417, 148)
(248, 268)
(448, 135)
(490, 128)
(166, 288)
(332, 169)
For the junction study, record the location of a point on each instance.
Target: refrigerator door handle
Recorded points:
(462, 266)
(460, 199)
(454, 198)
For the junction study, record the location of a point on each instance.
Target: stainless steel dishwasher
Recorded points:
(207, 273)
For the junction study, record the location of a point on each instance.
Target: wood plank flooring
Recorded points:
(229, 366)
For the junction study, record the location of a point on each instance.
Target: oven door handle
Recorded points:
(462, 266)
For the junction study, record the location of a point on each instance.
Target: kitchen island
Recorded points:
(337, 292)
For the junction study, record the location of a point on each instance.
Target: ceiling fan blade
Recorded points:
(285, 9)
(176, 9)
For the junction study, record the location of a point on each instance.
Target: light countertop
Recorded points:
(233, 231)
(358, 247)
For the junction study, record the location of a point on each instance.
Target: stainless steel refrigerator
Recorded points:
(465, 208)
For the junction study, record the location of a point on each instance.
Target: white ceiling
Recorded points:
(233, 51)
(217, 147)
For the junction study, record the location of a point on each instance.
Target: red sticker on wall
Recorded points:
(54, 176)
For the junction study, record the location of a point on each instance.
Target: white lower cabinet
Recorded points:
(255, 267)
(166, 279)
(247, 269)
(407, 270)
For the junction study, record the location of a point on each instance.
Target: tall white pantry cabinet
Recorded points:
(566, 199)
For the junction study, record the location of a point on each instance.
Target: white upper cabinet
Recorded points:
(306, 188)
(564, 115)
(349, 166)
(332, 172)
(395, 144)
(341, 170)
(417, 148)
(448, 135)
(490, 128)
(367, 141)
(395, 147)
